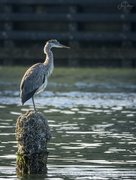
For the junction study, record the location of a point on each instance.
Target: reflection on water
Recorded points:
(94, 134)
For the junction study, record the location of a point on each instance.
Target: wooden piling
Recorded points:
(32, 134)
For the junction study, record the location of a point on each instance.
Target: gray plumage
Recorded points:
(35, 78)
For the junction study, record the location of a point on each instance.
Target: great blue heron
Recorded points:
(35, 78)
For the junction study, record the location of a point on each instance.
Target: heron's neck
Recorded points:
(49, 60)
(49, 55)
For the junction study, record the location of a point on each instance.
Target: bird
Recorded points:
(35, 78)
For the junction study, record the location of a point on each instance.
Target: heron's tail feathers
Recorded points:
(22, 102)
(23, 97)
(26, 96)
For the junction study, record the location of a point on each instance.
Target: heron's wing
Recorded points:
(32, 80)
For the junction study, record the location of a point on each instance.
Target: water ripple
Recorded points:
(72, 99)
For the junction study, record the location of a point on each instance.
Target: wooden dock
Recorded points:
(100, 33)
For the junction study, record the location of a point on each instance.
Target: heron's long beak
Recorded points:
(63, 46)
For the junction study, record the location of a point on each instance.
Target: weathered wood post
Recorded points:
(32, 134)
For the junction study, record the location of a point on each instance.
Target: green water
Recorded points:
(92, 119)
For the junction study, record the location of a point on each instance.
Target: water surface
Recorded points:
(93, 131)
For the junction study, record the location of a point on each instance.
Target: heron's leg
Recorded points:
(33, 103)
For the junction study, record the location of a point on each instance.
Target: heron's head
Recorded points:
(54, 43)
